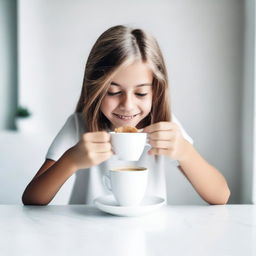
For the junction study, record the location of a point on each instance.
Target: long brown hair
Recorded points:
(116, 47)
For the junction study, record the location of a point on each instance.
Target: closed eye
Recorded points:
(113, 93)
(116, 93)
(141, 94)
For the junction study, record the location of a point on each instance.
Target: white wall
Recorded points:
(253, 112)
(202, 42)
(8, 63)
(248, 112)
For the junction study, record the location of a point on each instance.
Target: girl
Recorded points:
(125, 84)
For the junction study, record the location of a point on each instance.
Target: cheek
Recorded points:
(107, 105)
(147, 105)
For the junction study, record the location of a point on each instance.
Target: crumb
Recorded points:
(126, 129)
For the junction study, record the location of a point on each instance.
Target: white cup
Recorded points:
(129, 146)
(128, 184)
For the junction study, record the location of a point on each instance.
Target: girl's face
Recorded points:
(129, 97)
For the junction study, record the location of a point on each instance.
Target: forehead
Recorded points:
(134, 74)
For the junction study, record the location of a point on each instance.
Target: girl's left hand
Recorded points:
(166, 139)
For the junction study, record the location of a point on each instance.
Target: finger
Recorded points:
(97, 136)
(103, 156)
(98, 147)
(159, 151)
(159, 126)
(162, 135)
(161, 144)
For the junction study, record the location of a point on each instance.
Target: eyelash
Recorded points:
(116, 93)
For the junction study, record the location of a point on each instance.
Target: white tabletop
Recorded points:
(84, 230)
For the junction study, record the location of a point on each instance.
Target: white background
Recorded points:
(203, 44)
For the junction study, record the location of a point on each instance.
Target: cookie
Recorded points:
(126, 129)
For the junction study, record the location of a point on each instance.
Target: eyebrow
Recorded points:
(139, 85)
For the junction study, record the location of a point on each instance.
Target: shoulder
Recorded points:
(70, 128)
(67, 136)
(76, 119)
(79, 121)
(175, 119)
(182, 129)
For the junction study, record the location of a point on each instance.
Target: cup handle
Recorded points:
(106, 181)
(112, 148)
(147, 144)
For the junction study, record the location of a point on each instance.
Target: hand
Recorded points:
(166, 139)
(93, 149)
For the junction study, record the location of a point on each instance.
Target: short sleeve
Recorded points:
(184, 133)
(65, 139)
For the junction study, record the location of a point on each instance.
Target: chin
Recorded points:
(118, 123)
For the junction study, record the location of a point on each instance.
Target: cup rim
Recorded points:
(123, 168)
(127, 132)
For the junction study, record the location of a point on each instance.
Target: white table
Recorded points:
(84, 230)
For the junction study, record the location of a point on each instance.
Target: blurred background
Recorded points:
(208, 47)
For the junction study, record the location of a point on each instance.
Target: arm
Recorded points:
(49, 179)
(92, 149)
(166, 139)
(207, 180)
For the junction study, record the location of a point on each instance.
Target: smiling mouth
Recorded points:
(125, 117)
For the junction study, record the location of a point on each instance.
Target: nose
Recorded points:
(127, 103)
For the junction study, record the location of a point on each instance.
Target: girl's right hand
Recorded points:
(92, 149)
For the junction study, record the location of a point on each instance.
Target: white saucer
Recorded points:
(109, 205)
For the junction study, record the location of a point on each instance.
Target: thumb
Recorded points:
(145, 129)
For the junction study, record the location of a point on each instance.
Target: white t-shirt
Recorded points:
(88, 183)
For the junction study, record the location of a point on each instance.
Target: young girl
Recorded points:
(125, 84)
